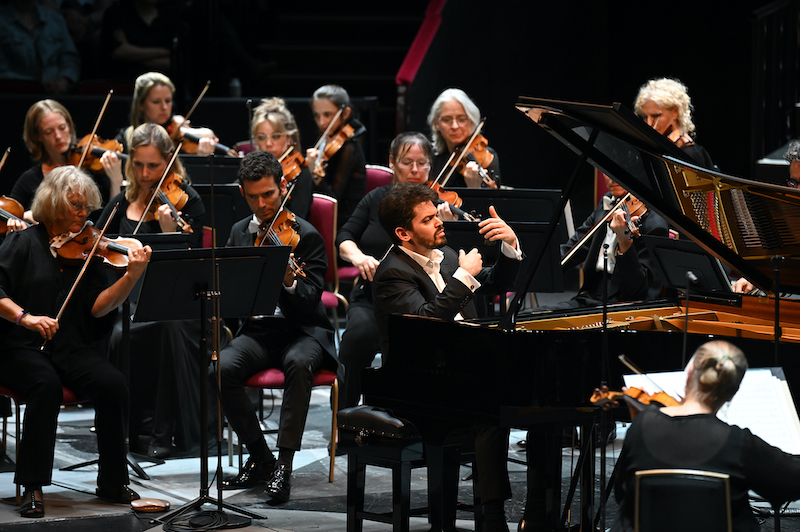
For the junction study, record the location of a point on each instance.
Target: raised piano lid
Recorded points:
(742, 222)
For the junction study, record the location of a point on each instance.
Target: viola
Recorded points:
(113, 252)
(171, 193)
(332, 147)
(280, 232)
(96, 151)
(10, 209)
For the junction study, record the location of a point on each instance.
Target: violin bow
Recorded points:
(197, 101)
(158, 185)
(94, 129)
(324, 135)
(5, 157)
(83, 268)
(633, 368)
(592, 231)
(461, 155)
(268, 228)
(286, 154)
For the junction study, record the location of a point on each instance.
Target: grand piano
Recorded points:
(537, 370)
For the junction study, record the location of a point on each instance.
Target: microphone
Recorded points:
(691, 277)
(455, 210)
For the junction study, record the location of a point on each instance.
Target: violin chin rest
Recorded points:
(149, 505)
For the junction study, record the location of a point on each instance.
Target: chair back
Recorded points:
(323, 216)
(243, 146)
(377, 176)
(682, 499)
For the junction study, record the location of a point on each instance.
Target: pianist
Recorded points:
(421, 276)
(690, 436)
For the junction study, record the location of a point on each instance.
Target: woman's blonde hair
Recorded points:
(668, 94)
(31, 133)
(719, 367)
(51, 201)
(141, 89)
(274, 111)
(150, 135)
(451, 95)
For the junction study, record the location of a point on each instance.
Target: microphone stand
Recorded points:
(691, 279)
(604, 382)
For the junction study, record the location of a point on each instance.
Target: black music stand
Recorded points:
(178, 284)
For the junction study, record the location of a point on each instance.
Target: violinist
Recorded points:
(153, 95)
(298, 339)
(666, 107)
(343, 174)
(453, 118)
(690, 436)
(150, 151)
(632, 273)
(275, 130)
(363, 242)
(170, 346)
(49, 134)
(33, 285)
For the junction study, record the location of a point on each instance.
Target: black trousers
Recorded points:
(297, 355)
(491, 461)
(360, 342)
(39, 380)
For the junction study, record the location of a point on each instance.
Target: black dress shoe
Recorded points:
(32, 505)
(280, 485)
(121, 494)
(251, 474)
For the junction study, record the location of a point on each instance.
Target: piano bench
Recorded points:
(372, 436)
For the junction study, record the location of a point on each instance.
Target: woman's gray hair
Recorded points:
(450, 95)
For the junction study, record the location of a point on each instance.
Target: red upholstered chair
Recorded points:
(274, 379)
(244, 146)
(323, 216)
(69, 399)
(378, 176)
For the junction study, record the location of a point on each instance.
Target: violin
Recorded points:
(635, 397)
(280, 232)
(332, 147)
(171, 193)
(477, 151)
(632, 206)
(113, 252)
(182, 130)
(96, 151)
(292, 165)
(10, 209)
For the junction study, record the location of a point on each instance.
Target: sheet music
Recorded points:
(763, 404)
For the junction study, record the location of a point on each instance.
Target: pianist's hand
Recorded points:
(495, 229)
(742, 286)
(472, 262)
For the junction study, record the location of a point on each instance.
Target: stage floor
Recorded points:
(315, 504)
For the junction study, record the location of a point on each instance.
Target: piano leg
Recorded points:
(443, 468)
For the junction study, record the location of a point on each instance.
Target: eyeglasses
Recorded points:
(448, 120)
(425, 163)
(275, 137)
(78, 207)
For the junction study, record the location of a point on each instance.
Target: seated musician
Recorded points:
(49, 133)
(33, 287)
(453, 118)
(274, 129)
(632, 275)
(666, 107)
(344, 175)
(690, 436)
(298, 339)
(153, 95)
(421, 276)
(165, 362)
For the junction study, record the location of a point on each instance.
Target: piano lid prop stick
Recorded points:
(776, 264)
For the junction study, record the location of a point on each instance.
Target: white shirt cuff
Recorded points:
(465, 277)
(511, 253)
(291, 289)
